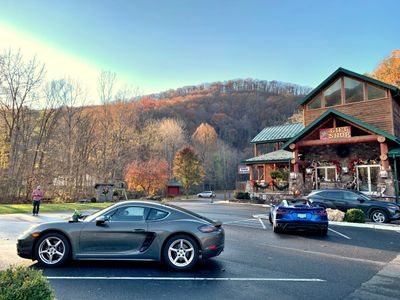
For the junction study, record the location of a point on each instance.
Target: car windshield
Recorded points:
(361, 195)
(97, 213)
(295, 203)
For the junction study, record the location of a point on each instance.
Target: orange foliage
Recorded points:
(149, 103)
(389, 69)
(148, 176)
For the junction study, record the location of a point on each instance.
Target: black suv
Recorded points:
(377, 211)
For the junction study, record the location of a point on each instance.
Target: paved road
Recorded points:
(349, 263)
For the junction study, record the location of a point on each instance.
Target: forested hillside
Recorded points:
(50, 137)
(237, 109)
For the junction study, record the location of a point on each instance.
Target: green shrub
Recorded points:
(355, 215)
(115, 193)
(276, 175)
(93, 200)
(22, 283)
(242, 196)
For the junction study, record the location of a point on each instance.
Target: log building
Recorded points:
(349, 138)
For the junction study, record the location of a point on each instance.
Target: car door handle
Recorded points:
(138, 230)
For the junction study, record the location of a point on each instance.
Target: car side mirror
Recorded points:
(100, 220)
(361, 200)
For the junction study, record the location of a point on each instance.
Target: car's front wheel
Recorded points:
(181, 252)
(379, 216)
(52, 250)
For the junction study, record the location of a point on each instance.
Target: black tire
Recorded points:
(181, 244)
(324, 232)
(270, 218)
(379, 216)
(276, 229)
(52, 250)
(200, 196)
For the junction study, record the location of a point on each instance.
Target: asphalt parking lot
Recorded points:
(349, 263)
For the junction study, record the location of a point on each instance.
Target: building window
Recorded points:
(353, 90)
(375, 93)
(367, 178)
(315, 103)
(333, 94)
(326, 174)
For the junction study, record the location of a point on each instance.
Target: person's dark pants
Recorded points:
(36, 205)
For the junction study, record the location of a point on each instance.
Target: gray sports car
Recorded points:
(130, 230)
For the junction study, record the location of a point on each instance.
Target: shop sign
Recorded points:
(242, 169)
(335, 133)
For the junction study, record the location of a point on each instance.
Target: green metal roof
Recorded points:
(346, 117)
(342, 71)
(278, 133)
(394, 153)
(173, 182)
(272, 157)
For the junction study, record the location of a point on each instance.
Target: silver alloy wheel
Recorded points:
(51, 250)
(181, 253)
(378, 217)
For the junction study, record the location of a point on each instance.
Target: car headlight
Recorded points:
(29, 231)
(393, 207)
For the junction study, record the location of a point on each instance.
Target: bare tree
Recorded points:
(19, 81)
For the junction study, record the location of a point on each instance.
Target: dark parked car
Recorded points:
(131, 230)
(377, 211)
(298, 214)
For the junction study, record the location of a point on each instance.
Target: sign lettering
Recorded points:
(242, 169)
(335, 133)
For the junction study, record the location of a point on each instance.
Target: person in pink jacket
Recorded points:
(37, 196)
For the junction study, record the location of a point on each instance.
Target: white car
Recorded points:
(206, 194)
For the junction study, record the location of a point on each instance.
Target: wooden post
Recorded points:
(265, 173)
(258, 173)
(384, 153)
(296, 159)
(255, 149)
(251, 172)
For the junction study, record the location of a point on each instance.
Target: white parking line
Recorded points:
(237, 221)
(185, 278)
(262, 224)
(341, 234)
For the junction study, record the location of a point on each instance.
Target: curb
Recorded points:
(390, 227)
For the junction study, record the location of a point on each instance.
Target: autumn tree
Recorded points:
(171, 135)
(148, 176)
(205, 142)
(389, 69)
(187, 168)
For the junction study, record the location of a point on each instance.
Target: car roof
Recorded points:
(149, 203)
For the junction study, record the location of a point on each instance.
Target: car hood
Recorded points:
(380, 203)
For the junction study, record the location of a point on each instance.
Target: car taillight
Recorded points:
(208, 228)
(282, 211)
(319, 212)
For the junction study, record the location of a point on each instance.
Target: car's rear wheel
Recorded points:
(276, 229)
(324, 232)
(270, 218)
(181, 252)
(52, 250)
(379, 216)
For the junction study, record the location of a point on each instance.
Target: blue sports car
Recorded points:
(298, 214)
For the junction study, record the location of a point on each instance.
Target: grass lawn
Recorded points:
(45, 207)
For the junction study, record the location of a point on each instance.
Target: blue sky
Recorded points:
(157, 45)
